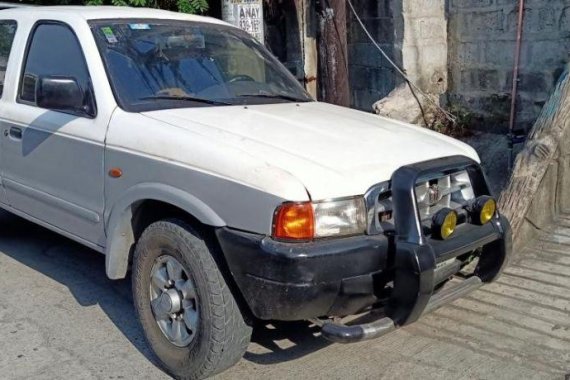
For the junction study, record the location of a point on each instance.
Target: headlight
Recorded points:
(344, 217)
(305, 221)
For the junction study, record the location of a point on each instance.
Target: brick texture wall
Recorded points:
(371, 77)
(464, 49)
(481, 36)
(412, 32)
(423, 44)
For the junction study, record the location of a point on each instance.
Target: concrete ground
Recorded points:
(61, 318)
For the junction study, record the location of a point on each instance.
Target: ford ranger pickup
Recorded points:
(182, 150)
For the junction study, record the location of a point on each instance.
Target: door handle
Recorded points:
(16, 133)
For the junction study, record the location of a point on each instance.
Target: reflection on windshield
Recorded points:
(166, 64)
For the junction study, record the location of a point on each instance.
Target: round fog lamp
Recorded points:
(483, 210)
(444, 223)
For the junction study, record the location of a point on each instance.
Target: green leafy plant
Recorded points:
(192, 6)
(460, 128)
(185, 6)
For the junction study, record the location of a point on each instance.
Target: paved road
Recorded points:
(61, 318)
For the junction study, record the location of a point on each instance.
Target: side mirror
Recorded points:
(60, 94)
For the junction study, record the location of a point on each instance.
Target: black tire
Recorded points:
(223, 335)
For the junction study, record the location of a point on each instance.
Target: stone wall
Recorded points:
(371, 76)
(481, 56)
(412, 32)
(423, 42)
(464, 48)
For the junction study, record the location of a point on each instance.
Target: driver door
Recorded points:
(53, 161)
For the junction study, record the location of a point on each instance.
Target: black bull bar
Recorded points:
(417, 256)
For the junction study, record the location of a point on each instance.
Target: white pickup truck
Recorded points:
(180, 148)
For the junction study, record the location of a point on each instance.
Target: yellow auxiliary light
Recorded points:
(444, 223)
(483, 210)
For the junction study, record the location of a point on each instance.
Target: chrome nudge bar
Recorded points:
(426, 188)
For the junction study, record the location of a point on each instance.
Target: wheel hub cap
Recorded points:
(173, 301)
(169, 302)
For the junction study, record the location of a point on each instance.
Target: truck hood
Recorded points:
(333, 151)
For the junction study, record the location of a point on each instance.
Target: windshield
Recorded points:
(158, 64)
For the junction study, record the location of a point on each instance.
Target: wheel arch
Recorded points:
(123, 220)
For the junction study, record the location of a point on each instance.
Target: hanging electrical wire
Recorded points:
(412, 85)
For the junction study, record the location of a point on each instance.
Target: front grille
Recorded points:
(378, 199)
(453, 190)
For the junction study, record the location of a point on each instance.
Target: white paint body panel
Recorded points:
(200, 148)
(284, 149)
(238, 162)
(82, 13)
(333, 151)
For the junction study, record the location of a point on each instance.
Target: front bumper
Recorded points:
(339, 277)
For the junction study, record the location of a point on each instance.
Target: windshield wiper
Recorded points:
(187, 99)
(274, 96)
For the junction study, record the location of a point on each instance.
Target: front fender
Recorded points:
(118, 218)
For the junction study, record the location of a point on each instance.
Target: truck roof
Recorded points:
(103, 12)
(4, 5)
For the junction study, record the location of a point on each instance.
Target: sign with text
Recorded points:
(246, 15)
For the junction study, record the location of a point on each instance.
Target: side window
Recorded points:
(53, 51)
(7, 33)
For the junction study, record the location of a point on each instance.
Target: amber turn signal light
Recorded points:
(294, 221)
(115, 173)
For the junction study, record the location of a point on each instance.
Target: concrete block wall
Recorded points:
(463, 49)
(412, 32)
(423, 45)
(481, 39)
(371, 76)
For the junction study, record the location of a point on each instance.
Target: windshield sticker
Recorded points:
(139, 26)
(109, 35)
